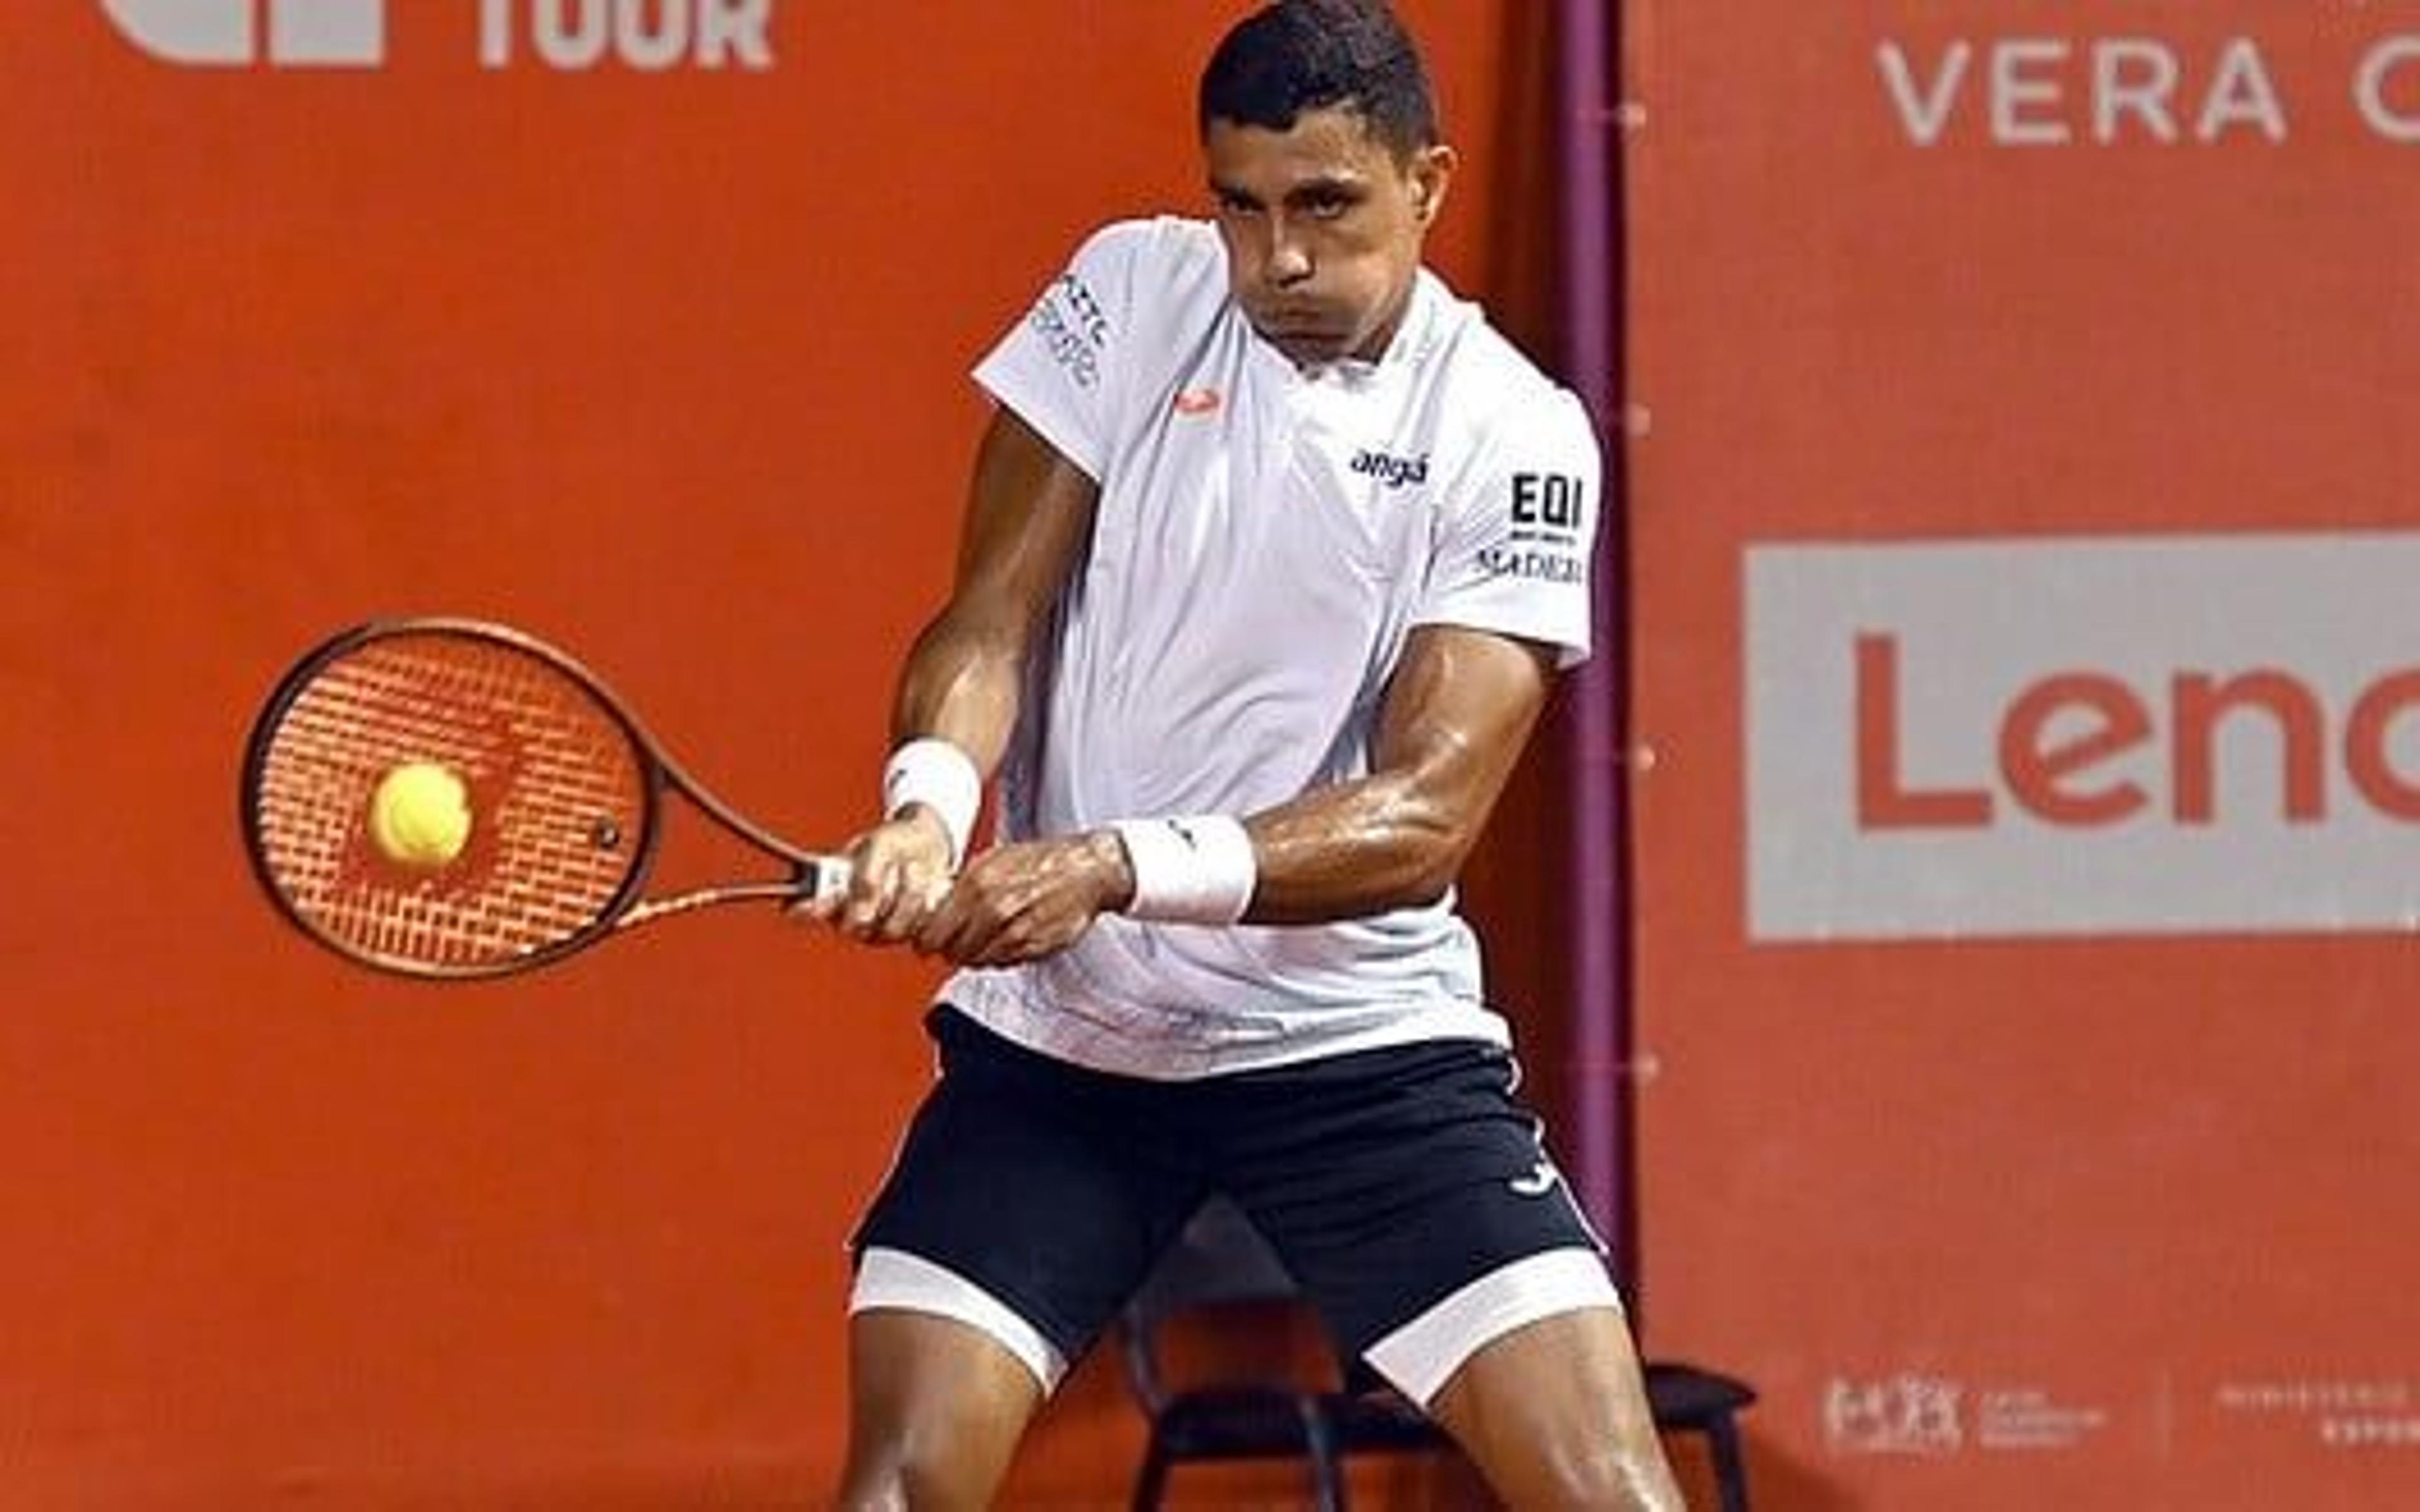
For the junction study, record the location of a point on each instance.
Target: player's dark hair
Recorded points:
(1311, 54)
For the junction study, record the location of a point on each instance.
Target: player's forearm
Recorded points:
(1458, 712)
(1458, 715)
(961, 684)
(1355, 849)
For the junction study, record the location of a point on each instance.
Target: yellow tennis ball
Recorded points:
(420, 814)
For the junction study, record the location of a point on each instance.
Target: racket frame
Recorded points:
(813, 874)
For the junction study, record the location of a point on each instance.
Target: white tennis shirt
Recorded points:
(1267, 537)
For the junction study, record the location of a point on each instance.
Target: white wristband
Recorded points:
(938, 775)
(1196, 869)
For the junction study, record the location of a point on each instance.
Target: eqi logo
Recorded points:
(1551, 499)
(567, 36)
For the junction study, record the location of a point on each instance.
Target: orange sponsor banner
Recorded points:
(2027, 742)
(644, 325)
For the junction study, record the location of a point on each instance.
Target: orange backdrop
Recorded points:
(2090, 1196)
(664, 364)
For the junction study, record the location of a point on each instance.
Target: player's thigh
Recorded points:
(1392, 1181)
(1554, 1413)
(1027, 1201)
(935, 1410)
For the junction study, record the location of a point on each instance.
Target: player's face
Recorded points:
(1323, 224)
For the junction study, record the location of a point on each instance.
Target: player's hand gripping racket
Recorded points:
(450, 798)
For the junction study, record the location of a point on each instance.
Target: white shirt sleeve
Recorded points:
(1061, 369)
(1515, 547)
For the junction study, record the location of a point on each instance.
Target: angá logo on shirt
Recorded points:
(1394, 471)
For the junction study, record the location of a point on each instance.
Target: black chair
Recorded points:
(1269, 1411)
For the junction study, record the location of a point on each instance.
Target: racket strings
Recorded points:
(557, 792)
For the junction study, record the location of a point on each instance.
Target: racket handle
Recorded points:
(823, 878)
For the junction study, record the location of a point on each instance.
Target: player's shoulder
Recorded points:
(1158, 250)
(1154, 282)
(1475, 355)
(1494, 389)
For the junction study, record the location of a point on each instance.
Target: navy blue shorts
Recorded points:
(1386, 1180)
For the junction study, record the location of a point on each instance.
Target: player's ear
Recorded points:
(1432, 172)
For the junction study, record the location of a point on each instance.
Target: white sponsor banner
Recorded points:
(2084, 737)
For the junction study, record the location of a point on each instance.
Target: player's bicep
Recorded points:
(1457, 714)
(1029, 519)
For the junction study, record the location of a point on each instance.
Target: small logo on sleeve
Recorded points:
(1074, 329)
(1548, 541)
(1547, 502)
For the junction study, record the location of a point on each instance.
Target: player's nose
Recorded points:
(1289, 262)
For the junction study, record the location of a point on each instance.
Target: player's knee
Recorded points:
(925, 1450)
(901, 1472)
(1613, 1478)
(888, 1488)
(870, 1492)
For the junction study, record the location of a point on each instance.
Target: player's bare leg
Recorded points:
(935, 1410)
(1556, 1416)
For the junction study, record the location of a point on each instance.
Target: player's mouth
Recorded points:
(1303, 337)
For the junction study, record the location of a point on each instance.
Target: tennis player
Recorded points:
(1273, 550)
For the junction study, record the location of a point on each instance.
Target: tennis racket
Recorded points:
(448, 798)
